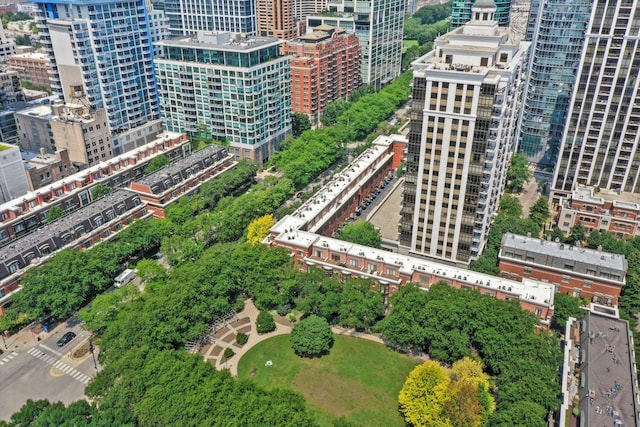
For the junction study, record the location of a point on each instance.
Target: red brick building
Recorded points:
(302, 234)
(80, 229)
(325, 67)
(580, 272)
(617, 213)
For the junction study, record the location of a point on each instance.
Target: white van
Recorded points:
(125, 277)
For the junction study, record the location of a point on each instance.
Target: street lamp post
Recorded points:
(91, 348)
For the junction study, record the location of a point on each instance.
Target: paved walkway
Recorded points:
(246, 323)
(226, 338)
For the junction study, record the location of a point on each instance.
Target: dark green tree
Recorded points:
(157, 163)
(577, 233)
(565, 306)
(312, 337)
(54, 213)
(99, 191)
(539, 212)
(361, 232)
(299, 123)
(518, 173)
(265, 322)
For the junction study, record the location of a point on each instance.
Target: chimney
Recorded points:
(43, 152)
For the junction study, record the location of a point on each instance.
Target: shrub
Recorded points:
(265, 322)
(228, 353)
(283, 309)
(242, 338)
(312, 337)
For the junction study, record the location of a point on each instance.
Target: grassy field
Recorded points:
(359, 379)
(406, 44)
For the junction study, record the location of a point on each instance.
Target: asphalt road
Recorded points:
(42, 370)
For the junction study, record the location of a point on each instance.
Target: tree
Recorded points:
(510, 205)
(157, 163)
(361, 232)
(105, 307)
(149, 271)
(565, 306)
(578, 233)
(539, 212)
(99, 191)
(332, 111)
(265, 322)
(312, 337)
(423, 395)
(259, 229)
(23, 40)
(360, 305)
(518, 173)
(299, 123)
(54, 213)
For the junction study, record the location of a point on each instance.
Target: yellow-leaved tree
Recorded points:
(456, 397)
(423, 395)
(259, 228)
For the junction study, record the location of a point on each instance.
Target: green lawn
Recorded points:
(359, 379)
(406, 44)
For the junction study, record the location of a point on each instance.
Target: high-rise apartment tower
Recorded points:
(464, 112)
(601, 142)
(187, 17)
(558, 37)
(235, 89)
(378, 25)
(102, 51)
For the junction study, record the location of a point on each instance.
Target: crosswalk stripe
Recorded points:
(58, 364)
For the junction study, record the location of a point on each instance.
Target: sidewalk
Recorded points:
(31, 336)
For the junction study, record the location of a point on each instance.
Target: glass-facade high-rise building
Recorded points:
(186, 17)
(601, 142)
(461, 12)
(234, 88)
(102, 51)
(558, 37)
(378, 25)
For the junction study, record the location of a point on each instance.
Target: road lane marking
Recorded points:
(51, 350)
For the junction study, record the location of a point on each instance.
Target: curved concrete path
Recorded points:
(226, 338)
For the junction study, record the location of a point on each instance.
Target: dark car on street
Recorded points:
(66, 338)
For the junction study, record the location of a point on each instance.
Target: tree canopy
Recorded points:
(157, 163)
(450, 324)
(361, 232)
(312, 337)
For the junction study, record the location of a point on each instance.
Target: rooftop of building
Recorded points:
(4, 146)
(180, 165)
(608, 362)
(33, 160)
(62, 225)
(620, 199)
(95, 170)
(564, 252)
(220, 40)
(31, 55)
(321, 32)
(529, 290)
(343, 184)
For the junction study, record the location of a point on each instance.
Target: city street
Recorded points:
(32, 369)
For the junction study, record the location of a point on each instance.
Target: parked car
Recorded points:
(66, 338)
